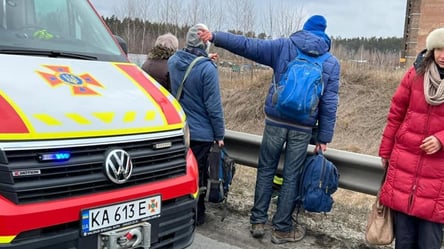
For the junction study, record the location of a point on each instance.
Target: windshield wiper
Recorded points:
(48, 53)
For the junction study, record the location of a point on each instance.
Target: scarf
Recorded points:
(433, 85)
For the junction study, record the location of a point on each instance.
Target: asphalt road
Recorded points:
(331, 231)
(203, 242)
(233, 233)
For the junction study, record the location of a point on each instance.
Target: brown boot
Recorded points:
(257, 230)
(297, 234)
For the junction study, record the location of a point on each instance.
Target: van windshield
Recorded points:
(55, 28)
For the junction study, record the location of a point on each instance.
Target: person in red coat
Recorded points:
(412, 153)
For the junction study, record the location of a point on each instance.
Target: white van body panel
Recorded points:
(57, 97)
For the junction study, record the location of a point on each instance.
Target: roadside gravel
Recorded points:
(343, 228)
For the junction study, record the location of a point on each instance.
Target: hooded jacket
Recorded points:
(414, 183)
(201, 99)
(277, 54)
(156, 65)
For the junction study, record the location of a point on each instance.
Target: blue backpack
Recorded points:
(320, 179)
(221, 170)
(298, 92)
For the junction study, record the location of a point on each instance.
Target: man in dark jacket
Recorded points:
(201, 101)
(279, 131)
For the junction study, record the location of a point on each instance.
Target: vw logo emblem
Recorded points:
(118, 166)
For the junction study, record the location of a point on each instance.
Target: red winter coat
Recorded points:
(415, 180)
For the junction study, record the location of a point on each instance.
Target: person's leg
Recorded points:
(295, 153)
(406, 230)
(430, 234)
(200, 151)
(270, 152)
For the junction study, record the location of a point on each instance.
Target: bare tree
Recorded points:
(127, 10)
(194, 10)
(145, 8)
(165, 10)
(217, 15)
(175, 19)
(240, 15)
(290, 20)
(211, 13)
(248, 16)
(282, 18)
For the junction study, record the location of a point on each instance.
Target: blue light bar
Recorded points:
(56, 156)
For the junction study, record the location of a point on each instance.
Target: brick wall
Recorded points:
(422, 16)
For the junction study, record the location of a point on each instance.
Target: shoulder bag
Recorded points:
(379, 229)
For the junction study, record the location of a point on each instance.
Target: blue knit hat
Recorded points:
(315, 23)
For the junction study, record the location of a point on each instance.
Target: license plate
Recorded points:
(106, 218)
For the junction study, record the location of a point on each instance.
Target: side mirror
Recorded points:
(122, 43)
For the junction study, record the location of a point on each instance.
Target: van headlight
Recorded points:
(186, 136)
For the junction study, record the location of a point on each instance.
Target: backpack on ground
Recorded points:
(320, 179)
(221, 169)
(298, 92)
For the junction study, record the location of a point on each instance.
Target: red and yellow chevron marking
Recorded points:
(133, 72)
(11, 121)
(63, 76)
(6, 239)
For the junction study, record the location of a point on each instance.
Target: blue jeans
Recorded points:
(415, 233)
(273, 140)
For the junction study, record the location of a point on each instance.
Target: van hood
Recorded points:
(53, 98)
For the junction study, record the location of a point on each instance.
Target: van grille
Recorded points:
(173, 229)
(84, 172)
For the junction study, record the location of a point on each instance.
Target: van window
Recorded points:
(65, 26)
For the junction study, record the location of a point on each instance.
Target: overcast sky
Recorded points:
(345, 18)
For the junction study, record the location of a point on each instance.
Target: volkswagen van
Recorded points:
(93, 152)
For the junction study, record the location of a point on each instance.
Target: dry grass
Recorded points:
(364, 100)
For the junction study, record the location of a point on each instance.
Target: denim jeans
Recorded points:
(415, 233)
(273, 140)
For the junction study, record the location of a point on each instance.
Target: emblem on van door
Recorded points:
(80, 84)
(118, 166)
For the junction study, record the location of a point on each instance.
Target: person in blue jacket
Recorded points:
(201, 102)
(311, 40)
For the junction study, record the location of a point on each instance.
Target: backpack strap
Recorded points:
(179, 90)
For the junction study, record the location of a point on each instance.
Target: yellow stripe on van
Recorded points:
(106, 117)
(129, 117)
(81, 134)
(78, 118)
(47, 119)
(150, 115)
(6, 239)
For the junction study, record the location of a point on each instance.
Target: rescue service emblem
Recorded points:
(118, 166)
(62, 75)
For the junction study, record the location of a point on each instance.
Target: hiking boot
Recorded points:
(257, 230)
(297, 234)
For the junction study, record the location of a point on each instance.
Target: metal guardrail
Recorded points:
(358, 172)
